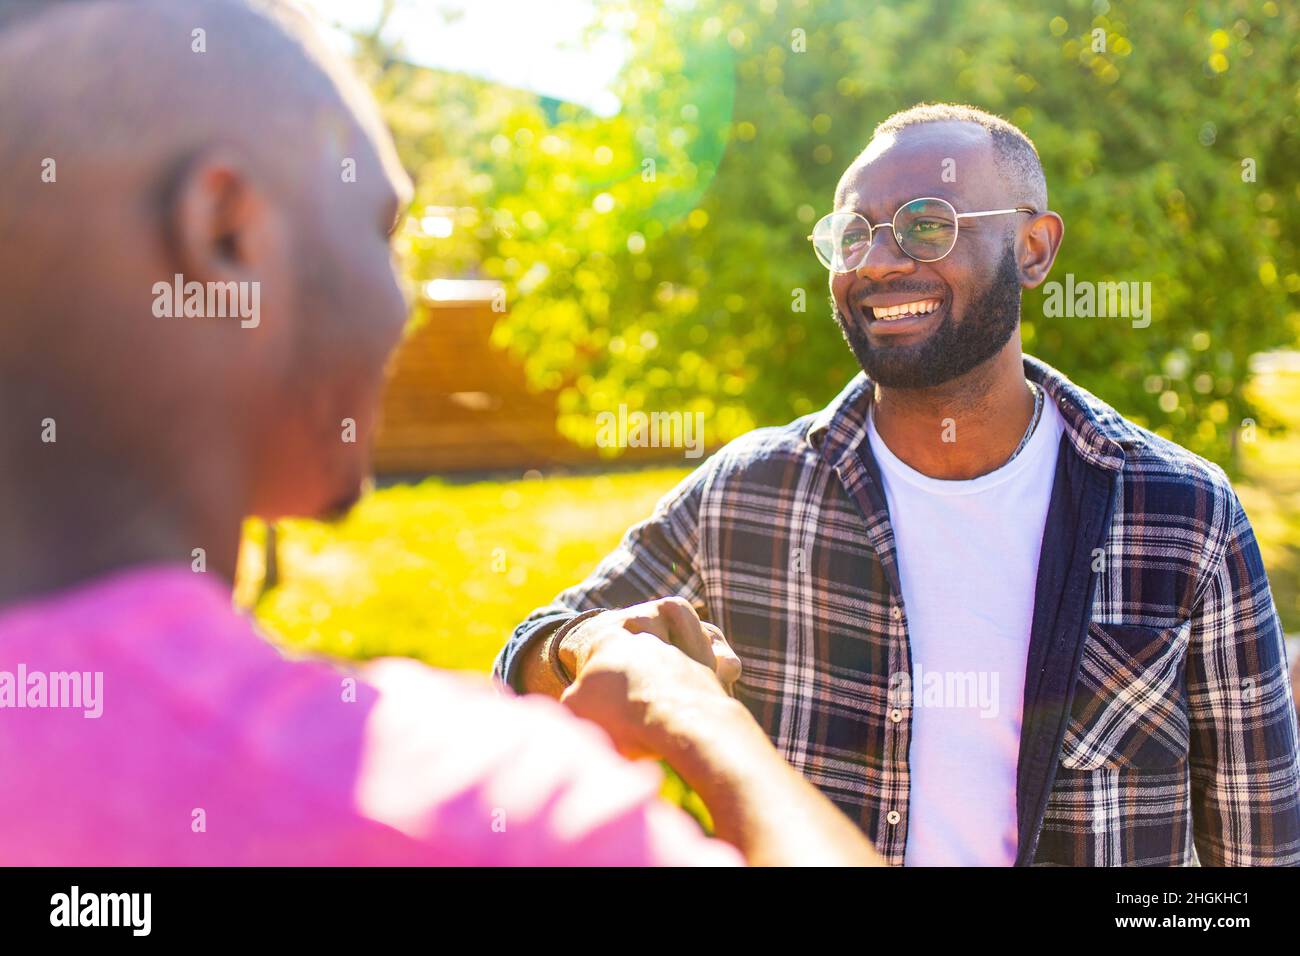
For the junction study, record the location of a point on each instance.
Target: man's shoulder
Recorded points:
(761, 461)
(452, 764)
(779, 453)
(1151, 457)
(783, 443)
(1168, 496)
(1166, 460)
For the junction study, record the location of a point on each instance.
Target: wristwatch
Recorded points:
(553, 644)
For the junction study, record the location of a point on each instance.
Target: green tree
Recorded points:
(657, 257)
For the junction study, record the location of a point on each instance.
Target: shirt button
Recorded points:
(893, 816)
(896, 715)
(895, 612)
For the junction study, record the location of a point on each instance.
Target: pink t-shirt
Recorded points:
(183, 738)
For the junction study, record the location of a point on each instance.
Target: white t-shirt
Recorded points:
(968, 563)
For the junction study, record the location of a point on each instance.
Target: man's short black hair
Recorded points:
(1014, 152)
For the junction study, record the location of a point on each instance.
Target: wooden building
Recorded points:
(453, 403)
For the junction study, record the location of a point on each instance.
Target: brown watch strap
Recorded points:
(553, 644)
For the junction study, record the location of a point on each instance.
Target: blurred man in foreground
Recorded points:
(166, 150)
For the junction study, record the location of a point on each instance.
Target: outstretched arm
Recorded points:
(656, 702)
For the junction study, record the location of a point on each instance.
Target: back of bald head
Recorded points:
(112, 110)
(137, 85)
(106, 104)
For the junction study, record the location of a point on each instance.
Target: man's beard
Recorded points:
(951, 350)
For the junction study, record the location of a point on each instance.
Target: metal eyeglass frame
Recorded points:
(871, 230)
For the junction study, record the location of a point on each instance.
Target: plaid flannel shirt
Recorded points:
(1158, 727)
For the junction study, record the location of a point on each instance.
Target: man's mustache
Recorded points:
(862, 295)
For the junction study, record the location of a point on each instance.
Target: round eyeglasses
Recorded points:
(925, 230)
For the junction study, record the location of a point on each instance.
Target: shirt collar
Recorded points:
(1097, 433)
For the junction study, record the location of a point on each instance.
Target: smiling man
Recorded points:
(993, 620)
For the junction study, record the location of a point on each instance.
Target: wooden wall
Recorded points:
(454, 404)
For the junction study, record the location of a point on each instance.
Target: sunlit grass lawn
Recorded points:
(444, 571)
(441, 571)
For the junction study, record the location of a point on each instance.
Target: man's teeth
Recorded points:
(920, 307)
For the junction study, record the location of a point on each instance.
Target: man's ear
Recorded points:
(223, 225)
(1038, 247)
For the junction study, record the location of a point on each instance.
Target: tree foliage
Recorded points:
(658, 257)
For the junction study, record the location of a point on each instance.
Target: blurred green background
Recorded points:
(653, 254)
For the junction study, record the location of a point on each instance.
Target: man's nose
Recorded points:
(884, 258)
